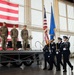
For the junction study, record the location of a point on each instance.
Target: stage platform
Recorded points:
(21, 51)
(18, 57)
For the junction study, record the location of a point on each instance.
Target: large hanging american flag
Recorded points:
(9, 13)
(45, 27)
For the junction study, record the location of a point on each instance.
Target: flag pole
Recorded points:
(54, 30)
(51, 3)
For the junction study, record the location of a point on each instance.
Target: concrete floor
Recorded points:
(33, 70)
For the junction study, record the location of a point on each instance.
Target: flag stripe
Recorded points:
(7, 6)
(8, 3)
(45, 20)
(8, 10)
(45, 23)
(9, 25)
(8, 17)
(9, 21)
(9, 32)
(8, 13)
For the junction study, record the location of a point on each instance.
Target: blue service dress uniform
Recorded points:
(52, 54)
(46, 56)
(66, 54)
(59, 50)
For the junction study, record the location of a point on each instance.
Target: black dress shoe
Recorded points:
(44, 68)
(71, 68)
(64, 71)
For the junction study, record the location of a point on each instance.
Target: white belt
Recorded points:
(57, 52)
(64, 49)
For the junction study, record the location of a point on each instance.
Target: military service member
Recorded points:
(46, 56)
(52, 54)
(24, 35)
(59, 49)
(4, 34)
(66, 53)
(14, 36)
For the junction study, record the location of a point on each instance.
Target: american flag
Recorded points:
(9, 13)
(45, 20)
(45, 27)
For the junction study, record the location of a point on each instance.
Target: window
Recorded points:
(36, 18)
(20, 2)
(37, 4)
(21, 10)
(71, 44)
(63, 24)
(70, 11)
(37, 36)
(47, 4)
(71, 25)
(62, 9)
(21, 15)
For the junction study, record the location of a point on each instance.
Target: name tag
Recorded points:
(57, 52)
(50, 51)
(64, 49)
(52, 46)
(48, 56)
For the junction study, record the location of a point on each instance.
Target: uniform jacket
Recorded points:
(66, 47)
(59, 47)
(46, 51)
(24, 34)
(4, 31)
(53, 47)
(14, 33)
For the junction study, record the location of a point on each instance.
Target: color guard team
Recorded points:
(53, 52)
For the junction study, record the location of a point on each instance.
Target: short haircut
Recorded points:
(14, 25)
(25, 25)
(4, 22)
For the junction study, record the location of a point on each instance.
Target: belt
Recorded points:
(64, 49)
